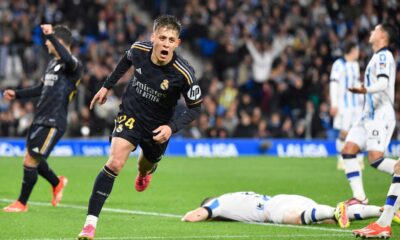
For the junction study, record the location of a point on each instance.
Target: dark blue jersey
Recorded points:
(59, 88)
(153, 92)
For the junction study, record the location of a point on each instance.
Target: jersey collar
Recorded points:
(174, 56)
(382, 49)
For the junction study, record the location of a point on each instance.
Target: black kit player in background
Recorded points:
(146, 111)
(57, 89)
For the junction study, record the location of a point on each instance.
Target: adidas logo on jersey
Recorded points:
(36, 149)
(139, 70)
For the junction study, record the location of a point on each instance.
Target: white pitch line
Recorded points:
(114, 210)
(300, 227)
(319, 236)
(138, 212)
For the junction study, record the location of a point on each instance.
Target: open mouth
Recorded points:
(164, 53)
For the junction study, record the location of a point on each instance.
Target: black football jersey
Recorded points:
(153, 93)
(59, 88)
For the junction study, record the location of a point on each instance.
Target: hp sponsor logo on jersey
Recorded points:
(194, 93)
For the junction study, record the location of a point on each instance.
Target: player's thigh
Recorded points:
(287, 209)
(153, 151)
(347, 121)
(338, 122)
(119, 153)
(379, 133)
(357, 135)
(41, 141)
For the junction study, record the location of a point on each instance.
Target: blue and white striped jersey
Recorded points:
(379, 105)
(344, 75)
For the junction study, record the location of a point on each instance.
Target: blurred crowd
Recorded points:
(265, 64)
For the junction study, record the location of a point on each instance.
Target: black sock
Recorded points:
(101, 190)
(29, 180)
(47, 173)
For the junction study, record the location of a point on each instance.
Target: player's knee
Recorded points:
(374, 156)
(350, 148)
(29, 161)
(115, 165)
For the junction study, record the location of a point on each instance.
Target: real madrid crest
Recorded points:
(57, 67)
(119, 128)
(164, 85)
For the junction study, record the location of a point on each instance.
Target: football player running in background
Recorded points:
(57, 89)
(345, 106)
(145, 116)
(382, 68)
(374, 131)
(280, 209)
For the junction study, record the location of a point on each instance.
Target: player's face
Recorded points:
(376, 34)
(165, 41)
(355, 53)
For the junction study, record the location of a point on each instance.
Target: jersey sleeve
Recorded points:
(336, 72)
(136, 48)
(213, 208)
(191, 89)
(382, 64)
(71, 63)
(336, 75)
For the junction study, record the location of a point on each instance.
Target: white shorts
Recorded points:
(346, 118)
(372, 135)
(280, 205)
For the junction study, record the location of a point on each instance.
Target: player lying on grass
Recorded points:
(281, 209)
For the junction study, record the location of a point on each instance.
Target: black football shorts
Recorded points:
(130, 130)
(41, 141)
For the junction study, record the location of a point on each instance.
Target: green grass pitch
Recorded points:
(178, 186)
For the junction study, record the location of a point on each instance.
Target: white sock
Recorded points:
(353, 173)
(392, 202)
(360, 158)
(361, 211)
(90, 219)
(317, 213)
(385, 165)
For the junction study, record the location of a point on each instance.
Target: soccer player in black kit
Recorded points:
(146, 112)
(58, 87)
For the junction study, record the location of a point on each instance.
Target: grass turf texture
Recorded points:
(177, 187)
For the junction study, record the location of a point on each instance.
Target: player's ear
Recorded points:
(152, 37)
(178, 42)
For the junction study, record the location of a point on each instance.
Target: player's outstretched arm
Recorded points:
(197, 215)
(100, 97)
(35, 91)
(64, 54)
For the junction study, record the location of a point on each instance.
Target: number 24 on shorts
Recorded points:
(128, 122)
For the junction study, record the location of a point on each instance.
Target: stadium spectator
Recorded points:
(315, 30)
(59, 84)
(279, 209)
(146, 114)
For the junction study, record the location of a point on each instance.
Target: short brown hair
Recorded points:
(167, 21)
